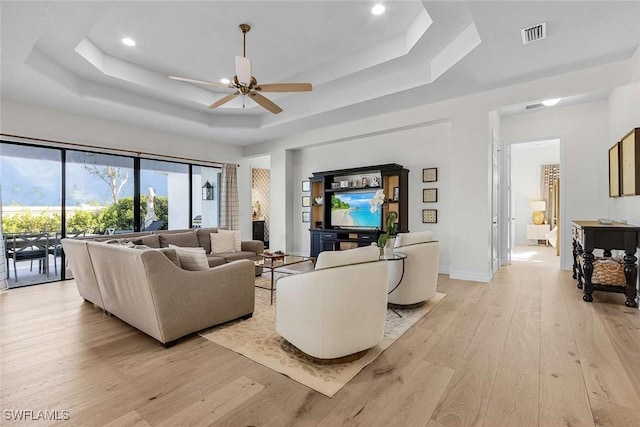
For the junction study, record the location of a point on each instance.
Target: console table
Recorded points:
(589, 235)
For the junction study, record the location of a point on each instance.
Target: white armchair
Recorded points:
(420, 269)
(337, 310)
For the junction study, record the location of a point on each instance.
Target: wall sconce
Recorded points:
(207, 191)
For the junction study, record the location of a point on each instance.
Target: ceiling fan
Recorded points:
(246, 84)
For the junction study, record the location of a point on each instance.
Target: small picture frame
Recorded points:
(365, 181)
(429, 195)
(429, 216)
(306, 201)
(344, 184)
(375, 182)
(335, 185)
(614, 170)
(430, 175)
(306, 186)
(306, 216)
(396, 194)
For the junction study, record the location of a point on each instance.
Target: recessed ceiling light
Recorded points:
(225, 81)
(551, 102)
(378, 9)
(128, 42)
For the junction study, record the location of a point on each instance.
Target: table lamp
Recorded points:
(538, 206)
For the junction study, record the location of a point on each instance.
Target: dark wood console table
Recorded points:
(589, 235)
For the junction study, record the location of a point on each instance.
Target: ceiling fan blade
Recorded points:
(265, 102)
(243, 70)
(201, 82)
(285, 87)
(224, 100)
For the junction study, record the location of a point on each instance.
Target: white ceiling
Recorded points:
(68, 56)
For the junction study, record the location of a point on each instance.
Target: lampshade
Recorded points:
(538, 205)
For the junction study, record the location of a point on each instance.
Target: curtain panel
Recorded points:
(550, 175)
(229, 205)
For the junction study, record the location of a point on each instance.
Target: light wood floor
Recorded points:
(523, 350)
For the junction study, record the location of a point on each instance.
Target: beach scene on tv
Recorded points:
(354, 210)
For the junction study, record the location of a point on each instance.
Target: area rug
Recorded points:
(257, 339)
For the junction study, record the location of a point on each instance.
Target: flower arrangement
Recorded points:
(376, 201)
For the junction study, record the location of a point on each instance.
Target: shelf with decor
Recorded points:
(343, 220)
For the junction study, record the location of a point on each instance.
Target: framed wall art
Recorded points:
(614, 170)
(429, 195)
(306, 216)
(306, 201)
(429, 216)
(430, 175)
(306, 186)
(630, 163)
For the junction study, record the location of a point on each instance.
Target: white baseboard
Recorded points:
(471, 276)
(443, 269)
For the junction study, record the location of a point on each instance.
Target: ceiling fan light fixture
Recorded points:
(378, 9)
(551, 102)
(225, 81)
(128, 41)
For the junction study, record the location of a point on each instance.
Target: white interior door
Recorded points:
(495, 205)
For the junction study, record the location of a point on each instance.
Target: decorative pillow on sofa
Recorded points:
(328, 259)
(222, 243)
(185, 240)
(237, 238)
(192, 259)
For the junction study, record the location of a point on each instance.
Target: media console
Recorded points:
(345, 185)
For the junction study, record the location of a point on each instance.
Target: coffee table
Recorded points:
(273, 263)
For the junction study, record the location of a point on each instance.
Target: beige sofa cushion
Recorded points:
(215, 261)
(188, 239)
(152, 240)
(329, 259)
(168, 252)
(222, 243)
(192, 259)
(235, 256)
(204, 239)
(237, 238)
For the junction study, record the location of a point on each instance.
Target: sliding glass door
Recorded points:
(51, 193)
(31, 180)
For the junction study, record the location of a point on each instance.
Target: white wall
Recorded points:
(526, 162)
(415, 149)
(470, 154)
(178, 200)
(583, 133)
(39, 122)
(624, 115)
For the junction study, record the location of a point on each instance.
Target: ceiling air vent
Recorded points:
(531, 106)
(531, 34)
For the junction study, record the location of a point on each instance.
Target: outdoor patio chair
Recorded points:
(28, 247)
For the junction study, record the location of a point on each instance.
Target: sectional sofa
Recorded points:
(144, 285)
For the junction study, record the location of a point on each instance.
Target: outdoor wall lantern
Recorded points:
(207, 191)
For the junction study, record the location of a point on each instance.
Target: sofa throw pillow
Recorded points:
(186, 240)
(192, 259)
(329, 259)
(222, 243)
(237, 238)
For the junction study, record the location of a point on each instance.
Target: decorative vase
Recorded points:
(388, 247)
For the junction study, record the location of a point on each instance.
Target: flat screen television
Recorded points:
(353, 210)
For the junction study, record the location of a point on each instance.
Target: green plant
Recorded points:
(392, 229)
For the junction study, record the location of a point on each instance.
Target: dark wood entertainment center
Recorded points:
(392, 178)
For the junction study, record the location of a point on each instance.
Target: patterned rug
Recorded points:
(257, 339)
